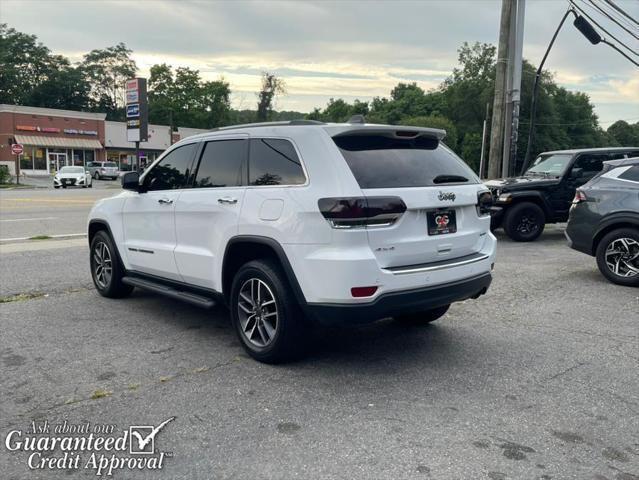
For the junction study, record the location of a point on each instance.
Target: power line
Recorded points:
(621, 10)
(613, 19)
(581, 123)
(602, 28)
(613, 14)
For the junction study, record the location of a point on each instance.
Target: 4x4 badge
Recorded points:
(447, 196)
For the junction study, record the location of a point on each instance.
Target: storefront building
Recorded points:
(54, 138)
(51, 138)
(122, 152)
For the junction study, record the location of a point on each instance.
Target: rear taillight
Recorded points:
(580, 196)
(484, 203)
(361, 212)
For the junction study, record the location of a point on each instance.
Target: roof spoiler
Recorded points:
(393, 131)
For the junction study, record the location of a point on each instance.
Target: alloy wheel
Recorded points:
(102, 265)
(257, 312)
(622, 257)
(528, 223)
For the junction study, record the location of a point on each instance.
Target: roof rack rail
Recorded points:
(268, 124)
(357, 119)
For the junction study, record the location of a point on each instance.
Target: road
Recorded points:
(26, 213)
(536, 380)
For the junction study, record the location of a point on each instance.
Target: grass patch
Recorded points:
(165, 379)
(40, 237)
(133, 386)
(201, 370)
(21, 297)
(100, 393)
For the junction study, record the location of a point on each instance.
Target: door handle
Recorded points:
(227, 200)
(165, 201)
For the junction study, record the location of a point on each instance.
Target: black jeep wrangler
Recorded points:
(523, 205)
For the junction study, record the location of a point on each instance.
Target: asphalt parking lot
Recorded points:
(538, 379)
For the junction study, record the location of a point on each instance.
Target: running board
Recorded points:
(192, 298)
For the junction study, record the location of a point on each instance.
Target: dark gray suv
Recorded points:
(604, 221)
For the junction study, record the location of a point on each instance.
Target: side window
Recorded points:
(173, 170)
(223, 164)
(590, 164)
(273, 161)
(633, 154)
(616, 156)
(631, 174)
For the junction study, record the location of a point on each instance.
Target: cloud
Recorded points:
(323, 49)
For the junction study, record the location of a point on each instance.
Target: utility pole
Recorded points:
(497, 124)
(513, 87)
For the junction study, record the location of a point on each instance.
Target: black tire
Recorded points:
(91, 185)
(64, 186)
(96, 175)
(287, 337)
(425, 317)
(524, 222)
(626, 259)
(110, 286)
(56, 186)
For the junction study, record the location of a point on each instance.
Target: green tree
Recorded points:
(31, 75)
(107, 70)
(183, 98)
(271, 87)
(624, 134)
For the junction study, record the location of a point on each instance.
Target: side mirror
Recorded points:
(131, 181)
(576, 173)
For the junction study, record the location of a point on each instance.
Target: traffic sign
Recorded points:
(17, 149)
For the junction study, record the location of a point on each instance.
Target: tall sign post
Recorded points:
(137, 114)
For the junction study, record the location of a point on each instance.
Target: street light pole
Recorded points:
(533, 101)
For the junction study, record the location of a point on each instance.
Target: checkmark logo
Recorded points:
(142, 438)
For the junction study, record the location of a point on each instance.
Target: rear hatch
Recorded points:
(439, 191)
(109, 169)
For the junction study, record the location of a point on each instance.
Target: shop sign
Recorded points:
(132, 97)
(133, 110)
(71, 131)
(88, 132)
(131, 84)
(137, 108)
(35, 128)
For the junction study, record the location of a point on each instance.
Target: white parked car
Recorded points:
(72, 177)
(297, 222)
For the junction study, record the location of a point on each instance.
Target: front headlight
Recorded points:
(505, 198)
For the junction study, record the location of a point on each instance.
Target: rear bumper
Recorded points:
(578, 240)
(395, 303)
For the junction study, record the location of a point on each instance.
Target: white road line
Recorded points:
(29, 219)
(64, 235)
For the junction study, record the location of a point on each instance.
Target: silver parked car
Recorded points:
(100, 170)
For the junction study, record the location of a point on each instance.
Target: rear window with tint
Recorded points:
(383, 162)
(110, 164)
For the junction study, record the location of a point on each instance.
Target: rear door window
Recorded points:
(223, 164)
(384, 162)
(274, 161)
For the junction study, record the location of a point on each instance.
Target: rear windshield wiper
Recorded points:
(449, 179)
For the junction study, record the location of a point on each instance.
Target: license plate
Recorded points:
(441, 222)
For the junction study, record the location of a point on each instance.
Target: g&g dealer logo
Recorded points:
(103, 448)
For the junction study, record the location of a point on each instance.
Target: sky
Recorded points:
(341, 49)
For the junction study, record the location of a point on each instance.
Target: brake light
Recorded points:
(580, 196)
(361, 212)
(484, 203)
(359, 292)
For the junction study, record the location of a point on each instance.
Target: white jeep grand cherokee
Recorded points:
(293, 222)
